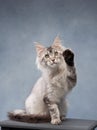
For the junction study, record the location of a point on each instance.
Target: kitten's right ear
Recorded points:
(39, 48)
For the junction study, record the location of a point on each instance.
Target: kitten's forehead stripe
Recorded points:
(50, 49)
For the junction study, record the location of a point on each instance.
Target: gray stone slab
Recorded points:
(68, 124)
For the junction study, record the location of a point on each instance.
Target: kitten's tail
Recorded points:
(22, 116)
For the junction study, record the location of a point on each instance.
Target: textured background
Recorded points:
(24, 21)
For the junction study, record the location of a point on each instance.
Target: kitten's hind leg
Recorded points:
(53, 110)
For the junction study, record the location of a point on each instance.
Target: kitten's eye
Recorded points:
(56, 53)
(47, 56)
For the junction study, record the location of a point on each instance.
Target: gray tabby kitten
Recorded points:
(47, 101)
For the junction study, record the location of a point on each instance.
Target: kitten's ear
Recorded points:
(57, 42)
(39, 48)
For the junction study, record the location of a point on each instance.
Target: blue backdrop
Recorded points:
(23, 22)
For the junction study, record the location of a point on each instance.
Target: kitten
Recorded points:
(47, 101)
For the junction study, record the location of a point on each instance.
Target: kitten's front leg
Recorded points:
(71, 70)
(53, 110)
(63, 107)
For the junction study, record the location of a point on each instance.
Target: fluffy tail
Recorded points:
(22, 116)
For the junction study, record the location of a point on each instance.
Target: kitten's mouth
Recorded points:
(54, 63)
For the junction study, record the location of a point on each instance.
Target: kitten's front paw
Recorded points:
(63, 118)
(69, 57)
(56, 121)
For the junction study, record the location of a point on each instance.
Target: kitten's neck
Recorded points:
(51, 73)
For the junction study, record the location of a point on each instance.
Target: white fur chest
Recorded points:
(57, 88)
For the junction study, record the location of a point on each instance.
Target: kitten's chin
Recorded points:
(53, 65)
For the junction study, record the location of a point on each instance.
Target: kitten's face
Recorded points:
(50, 57)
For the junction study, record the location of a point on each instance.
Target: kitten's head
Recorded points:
(50, 57)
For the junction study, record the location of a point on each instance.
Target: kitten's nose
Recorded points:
(53, 60)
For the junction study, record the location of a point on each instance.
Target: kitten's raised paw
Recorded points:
(69, 57)
(56, 121)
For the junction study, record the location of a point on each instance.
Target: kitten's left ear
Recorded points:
(39, 48)
(57, 42)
